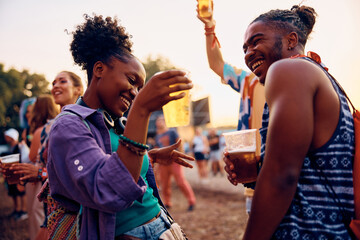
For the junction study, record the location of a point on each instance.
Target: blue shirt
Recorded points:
(83, 171)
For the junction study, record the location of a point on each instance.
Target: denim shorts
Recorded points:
(152, 230)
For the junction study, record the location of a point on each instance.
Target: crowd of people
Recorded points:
(88, 173)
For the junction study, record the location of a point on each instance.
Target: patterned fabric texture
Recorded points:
(314, 212)
(59, 216)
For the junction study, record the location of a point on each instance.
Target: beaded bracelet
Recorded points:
(137, 151)
(136, 144)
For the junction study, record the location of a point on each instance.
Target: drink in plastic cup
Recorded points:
(7, 161)
(205, 9)
(241, 146)
(177, 113)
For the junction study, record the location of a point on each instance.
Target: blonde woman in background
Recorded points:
(67, 87)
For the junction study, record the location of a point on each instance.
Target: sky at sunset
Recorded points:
(33, 37)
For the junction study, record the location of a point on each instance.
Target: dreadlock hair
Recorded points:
(99, 39)
(299, 19)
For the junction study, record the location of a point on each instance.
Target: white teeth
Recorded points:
(258, 63)
(126, 101)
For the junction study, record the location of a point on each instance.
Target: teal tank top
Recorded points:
(138, 213)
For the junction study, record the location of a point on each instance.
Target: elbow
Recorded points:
(286, 181)
(216, 69)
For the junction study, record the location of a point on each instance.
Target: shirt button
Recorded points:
(80, 168)
(76, 162)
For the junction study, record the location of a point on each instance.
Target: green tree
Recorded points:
(15, 86)
(153, 65)
(156, 64)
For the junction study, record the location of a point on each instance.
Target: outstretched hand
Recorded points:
(168, 155)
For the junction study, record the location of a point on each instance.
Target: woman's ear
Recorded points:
(77, 92)
(98, 69)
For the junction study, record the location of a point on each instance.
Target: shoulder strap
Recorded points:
(316, 59)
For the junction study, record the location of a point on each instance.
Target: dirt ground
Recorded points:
(219, 214)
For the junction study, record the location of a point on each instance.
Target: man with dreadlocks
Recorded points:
(305, 188)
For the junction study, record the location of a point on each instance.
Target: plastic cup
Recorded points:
(7, 161)
(205, 9)
(177, 113)
(241, 146)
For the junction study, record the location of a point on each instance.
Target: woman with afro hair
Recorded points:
(98, 166)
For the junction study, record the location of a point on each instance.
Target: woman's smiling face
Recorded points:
(63, 89)
(120, 82)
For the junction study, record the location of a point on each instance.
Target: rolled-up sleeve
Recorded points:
(81, 172)
(233, 77)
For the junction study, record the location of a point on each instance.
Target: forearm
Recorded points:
(136, 129)
(273, 196)
(215, 59)
(33, 151)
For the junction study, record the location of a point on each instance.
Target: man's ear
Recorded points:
(293, 40)
(98, 69)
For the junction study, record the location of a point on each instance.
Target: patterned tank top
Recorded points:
(315, 212)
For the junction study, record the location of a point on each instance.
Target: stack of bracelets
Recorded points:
(135, 147)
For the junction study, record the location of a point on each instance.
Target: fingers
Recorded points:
(233, 182)
(177, 144)
(185, 156)
(229, 167)
(16, 166)
(182, 162)
(228, 162)
(25, 178)
(170, 74)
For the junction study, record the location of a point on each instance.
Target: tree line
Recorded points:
(15, 86)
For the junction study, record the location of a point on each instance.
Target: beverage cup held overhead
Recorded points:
(177, 113)
(205, 9)
(7, 161)
(241, 146)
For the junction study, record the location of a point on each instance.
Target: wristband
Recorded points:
(42, 174)
(211, 31)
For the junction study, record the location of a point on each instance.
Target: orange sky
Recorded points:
(33, 37)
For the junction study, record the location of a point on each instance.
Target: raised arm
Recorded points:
(214, 55)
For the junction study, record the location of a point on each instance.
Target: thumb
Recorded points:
(177, 144)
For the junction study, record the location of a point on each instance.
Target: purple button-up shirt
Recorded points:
(83, 171)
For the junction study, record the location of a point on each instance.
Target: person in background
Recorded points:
(93, 162)
(166, 137)
(215, 154)
(200, 147)
(305, 185)
(16, 191)
(44, 110)
(252, 94)
(25, 117)
(67, 87)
